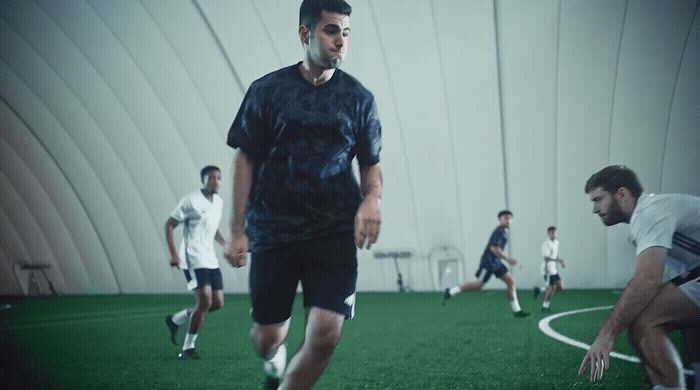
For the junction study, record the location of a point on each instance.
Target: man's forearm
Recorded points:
(636, 296)
(371, 181)
(242, 181)
(499, 252)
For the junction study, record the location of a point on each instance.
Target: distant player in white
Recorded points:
(200, 212)
(550, 257)
(666, 233)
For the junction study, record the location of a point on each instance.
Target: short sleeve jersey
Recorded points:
(671, 221)
(499, 238)
(201, 221)
(550, 248)
(302, 140)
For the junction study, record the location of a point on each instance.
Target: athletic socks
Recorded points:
(189, 341)
(515, 305)
(545, 304)
(455, 290)
(181, 317)
(275, 365)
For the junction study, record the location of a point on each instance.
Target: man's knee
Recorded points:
(204, 303)
(216, 305)
(324, 339)
(266, 338)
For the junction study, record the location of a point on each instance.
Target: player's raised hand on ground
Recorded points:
(367, 222)
(236, 250)
(598, 357)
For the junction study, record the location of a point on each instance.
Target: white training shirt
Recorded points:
(550, 248)
(201, 220)
(671, 221)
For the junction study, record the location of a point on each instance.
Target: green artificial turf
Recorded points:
(396, 341)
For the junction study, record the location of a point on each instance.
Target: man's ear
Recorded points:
(304, 34)
(623, 193)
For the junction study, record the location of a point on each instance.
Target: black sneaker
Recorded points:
(189, 354)
(446, 296)
(546, 310)
(172, 327)
(272, 383)
(535, 292)
(521, 314)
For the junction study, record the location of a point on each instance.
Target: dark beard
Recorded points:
(614, 215)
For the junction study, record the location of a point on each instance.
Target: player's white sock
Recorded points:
(189, 341)
(545, 304)
(696, 368)
(181, 317)
(515, 305)
(275, 365)
(455, 290)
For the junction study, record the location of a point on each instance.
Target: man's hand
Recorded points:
(175, 261)
(598, 356)
(367, 222)
(561, 261)
(236, 250)
(512, 260)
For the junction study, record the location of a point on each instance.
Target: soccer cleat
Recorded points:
(272, 383)
(189, 354)
(535, 292)
(274, 367)
(521, 314)
(446, 296)
(172, 327)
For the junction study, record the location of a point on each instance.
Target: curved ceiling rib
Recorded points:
(616, 78)
(90, 145)
(30, 230)
(65, 177)
(42, 207)
(400, 125)
(673, 94)
(450, 126)
(208, 109)
(214, 36)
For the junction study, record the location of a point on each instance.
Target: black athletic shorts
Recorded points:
(554, 279)
(203, 277)
(326, 268)
(498, 270)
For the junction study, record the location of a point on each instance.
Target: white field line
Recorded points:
(546, 329)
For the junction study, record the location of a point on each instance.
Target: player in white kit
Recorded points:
(550, 258)
(664, 293)
(200, 212)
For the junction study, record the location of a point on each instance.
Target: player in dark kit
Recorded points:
(296, 133)
(491, 264)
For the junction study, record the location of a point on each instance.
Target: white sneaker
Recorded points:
(276, 365)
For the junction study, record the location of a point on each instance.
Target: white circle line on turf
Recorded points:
(546, 329)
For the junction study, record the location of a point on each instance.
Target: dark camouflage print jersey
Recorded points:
(302, 140)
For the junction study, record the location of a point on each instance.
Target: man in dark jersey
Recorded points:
(491, 264)
(296, 133)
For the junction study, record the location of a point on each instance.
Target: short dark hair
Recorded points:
(205, 171)
(504, 212)
(549, 229)
(310, 10)
(614, 177)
